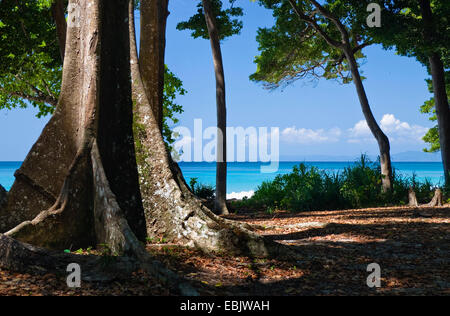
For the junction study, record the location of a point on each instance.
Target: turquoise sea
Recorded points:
(244, 177)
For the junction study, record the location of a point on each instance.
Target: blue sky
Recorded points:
(314, 119)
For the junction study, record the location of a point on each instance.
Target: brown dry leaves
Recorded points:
(336, 246)
(17, 284)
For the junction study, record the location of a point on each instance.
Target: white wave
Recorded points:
(240, 195)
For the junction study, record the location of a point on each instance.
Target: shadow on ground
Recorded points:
(413, 253)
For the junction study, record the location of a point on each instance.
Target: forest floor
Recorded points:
(337, 246)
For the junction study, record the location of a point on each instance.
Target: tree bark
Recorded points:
(382, 139)
(221, 164)
(153, 17)
(412, 198)
(439, 87)
(437, 199)
(59, 16)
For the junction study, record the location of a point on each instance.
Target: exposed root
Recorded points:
(437, 199)
(412, 198)
(111, 229)
(69, 222)
(25, 258)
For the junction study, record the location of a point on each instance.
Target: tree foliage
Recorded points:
(30, 64)
(226, 21)
(293, 50)
(173, 86)
(432, 136)
(402, 29)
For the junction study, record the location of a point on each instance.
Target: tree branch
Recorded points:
(335, 20)
(361, 46)
(49, 91)
(33, 98)
(314, 24)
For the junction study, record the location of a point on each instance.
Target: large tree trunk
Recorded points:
(154, 15)
(59, 16)
(382, 139)
(94, 110)
(171, 210)
(221, 167)
(439, 88)
(85, 156)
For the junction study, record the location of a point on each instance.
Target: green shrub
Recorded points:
(308, 188)
(202, 191)
(361, 183)
(269, 194)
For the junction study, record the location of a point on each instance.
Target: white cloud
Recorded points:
(360, 129)
(396, 130)
(308, 136)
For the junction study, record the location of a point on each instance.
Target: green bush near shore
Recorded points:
(358, 186)
(203, 191)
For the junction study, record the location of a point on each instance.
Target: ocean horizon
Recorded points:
(245, 177)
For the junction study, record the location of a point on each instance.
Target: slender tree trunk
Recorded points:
(221, 169)
(345, 46)
(382, 139)
(59, 16)
(442, 111)
(439, 88)
(154, 15)
(171, 210)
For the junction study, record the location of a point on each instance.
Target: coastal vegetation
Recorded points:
(358, 186)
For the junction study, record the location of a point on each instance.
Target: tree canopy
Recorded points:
(402, 29)
(227, 21)
(30, 62)
(293, 50)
